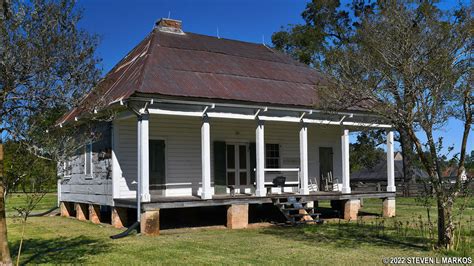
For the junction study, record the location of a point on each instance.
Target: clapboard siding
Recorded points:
(182, 137)
(96, 188)
(126, 152)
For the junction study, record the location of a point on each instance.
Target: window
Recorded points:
(67, 168)
(272, 156)
(88, 160)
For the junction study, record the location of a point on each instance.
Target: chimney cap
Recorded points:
(169, 25)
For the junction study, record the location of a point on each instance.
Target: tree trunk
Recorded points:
(408, 157)
(4, 249)
(445, 225)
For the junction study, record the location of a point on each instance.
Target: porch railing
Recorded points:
(284, 170)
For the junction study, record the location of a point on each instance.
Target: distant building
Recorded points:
(378, 173)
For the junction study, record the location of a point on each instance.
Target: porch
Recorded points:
(211, 151)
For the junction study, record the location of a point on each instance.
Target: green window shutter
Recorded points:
(157, 163)
(220, 170)
(253, 161)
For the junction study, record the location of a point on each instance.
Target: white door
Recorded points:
(237, 158)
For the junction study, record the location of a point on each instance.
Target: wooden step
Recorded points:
(305, 214)
(289, 203)
(309, 222)
(297, 209)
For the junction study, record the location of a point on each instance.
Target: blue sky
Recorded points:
(123, 24)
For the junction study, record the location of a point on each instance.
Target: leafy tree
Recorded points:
(46, 65)
(410, 63)
(29, 174)
(329, 24)
(365, 153)
(470, 162)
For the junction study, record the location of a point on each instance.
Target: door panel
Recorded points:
(231, 178)
(157, 164)
(243, 171)
(230, 156)
(237, 162)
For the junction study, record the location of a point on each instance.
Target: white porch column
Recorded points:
(260, 158)
(390, 163)
(304, 189)
(346, 185)
(143, 159)
(206, 192)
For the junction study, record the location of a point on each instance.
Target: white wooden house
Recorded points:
(205, 121)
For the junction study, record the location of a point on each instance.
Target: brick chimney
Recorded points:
(169, 25)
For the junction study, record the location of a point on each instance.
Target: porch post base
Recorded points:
(66, 209)
(81, 211)
(146, 197)
(206, 195)
(119, 217)
(150, 223)
(304, 191)
(261, 192)
(94, 213)
(351, 209)
(237, 216)
(388, 207)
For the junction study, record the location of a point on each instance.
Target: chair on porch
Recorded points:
(328, 182)
(313, 184)
(279, 181)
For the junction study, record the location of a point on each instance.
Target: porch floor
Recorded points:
(162, 202)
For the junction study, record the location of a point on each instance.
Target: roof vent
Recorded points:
(169, 25)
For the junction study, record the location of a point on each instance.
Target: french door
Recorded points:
(237, 165)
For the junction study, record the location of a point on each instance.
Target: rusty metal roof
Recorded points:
(199, 66)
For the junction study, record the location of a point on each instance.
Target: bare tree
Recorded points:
(46, 65)
(411, 62)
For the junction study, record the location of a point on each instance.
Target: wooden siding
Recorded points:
(90, 189)
(182, 137)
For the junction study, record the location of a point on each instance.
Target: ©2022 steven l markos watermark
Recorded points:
(427, 260)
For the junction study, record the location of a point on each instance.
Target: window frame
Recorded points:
(91, 174)
(278, 159)
(67, 171)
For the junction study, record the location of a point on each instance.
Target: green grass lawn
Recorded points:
(56, 240)
(18, 200)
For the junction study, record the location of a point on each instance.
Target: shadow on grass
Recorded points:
(59, 250)
(368, 214)
(349, 235)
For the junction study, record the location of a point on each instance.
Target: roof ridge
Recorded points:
(150, 49)
(121, 62)
(225, 39)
